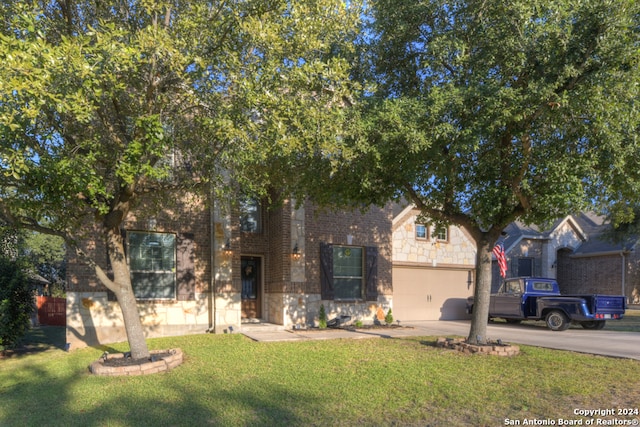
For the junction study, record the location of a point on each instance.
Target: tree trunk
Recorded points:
(123, 290)
(482, 293)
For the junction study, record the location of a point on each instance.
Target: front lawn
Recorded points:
(229, 380)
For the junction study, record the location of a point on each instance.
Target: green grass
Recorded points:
(629, 323)
(229, 380)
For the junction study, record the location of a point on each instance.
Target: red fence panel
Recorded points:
(52, 311)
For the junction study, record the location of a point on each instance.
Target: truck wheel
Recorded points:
(557, 321)
(594, 324)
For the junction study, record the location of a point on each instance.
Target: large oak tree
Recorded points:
(95, 95)
(484, 112)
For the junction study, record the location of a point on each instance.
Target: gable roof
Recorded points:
(590, 228)
(598, 243)
(517, 230)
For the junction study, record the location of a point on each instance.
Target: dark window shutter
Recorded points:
(371, 273)
(326, 271)
(185, 267)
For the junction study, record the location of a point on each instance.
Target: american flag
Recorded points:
(498, 251)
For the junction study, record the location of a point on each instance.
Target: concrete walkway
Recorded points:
(266, 333)
(327, 334)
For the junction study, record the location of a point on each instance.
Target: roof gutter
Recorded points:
(602, 253)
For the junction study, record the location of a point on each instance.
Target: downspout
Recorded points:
(212, 263)
(624, 270)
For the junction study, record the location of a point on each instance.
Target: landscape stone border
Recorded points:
(170, 359)
(493, 349)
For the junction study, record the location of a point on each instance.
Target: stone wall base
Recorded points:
(493, 349)
(160, 361)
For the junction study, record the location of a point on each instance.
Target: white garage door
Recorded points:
(430, 293)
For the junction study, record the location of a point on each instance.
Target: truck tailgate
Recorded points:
(609, 304)
(606, 306)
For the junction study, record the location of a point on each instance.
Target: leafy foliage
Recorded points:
(322, 322)
(487, 112)
(388, 318)
(16, 303)
(46, 254)
(103, 106)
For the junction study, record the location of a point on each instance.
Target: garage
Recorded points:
(430, 293)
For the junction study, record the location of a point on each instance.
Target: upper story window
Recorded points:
(421, 231)
(152, 262)
(250, 215)
(441, 234)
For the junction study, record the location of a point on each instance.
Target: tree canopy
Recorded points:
(484, 112)
(102, 104)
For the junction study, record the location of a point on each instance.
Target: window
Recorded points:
(250, 216)
(152, 261)
(347, 272)
(525, 267)
(512, 287)
(421, 231)
(542, 286)
(441, 234)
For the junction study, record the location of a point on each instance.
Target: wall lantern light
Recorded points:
(227, 248)
(295, 253)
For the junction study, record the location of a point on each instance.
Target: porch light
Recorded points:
(295, 253)
(227, 248)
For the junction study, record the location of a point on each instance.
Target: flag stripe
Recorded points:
(498, 251)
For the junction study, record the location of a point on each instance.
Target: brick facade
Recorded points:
(289, 285)
(613, 274)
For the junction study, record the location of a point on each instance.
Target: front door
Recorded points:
(251, 289)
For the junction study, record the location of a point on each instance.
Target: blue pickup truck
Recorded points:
(533, 298)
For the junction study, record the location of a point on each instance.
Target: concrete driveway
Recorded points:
(605, 343)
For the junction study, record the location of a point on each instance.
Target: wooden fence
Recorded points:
(52, 311)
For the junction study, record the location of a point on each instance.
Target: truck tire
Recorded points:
(557, 321)
(594, 324)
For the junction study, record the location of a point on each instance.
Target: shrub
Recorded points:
(323, 317)
(388, 319)
(16, 303)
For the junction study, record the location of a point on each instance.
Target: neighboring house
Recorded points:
(433, 269)
(203, 267)
(576, 252)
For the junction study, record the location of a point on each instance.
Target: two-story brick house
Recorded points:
(206, 266)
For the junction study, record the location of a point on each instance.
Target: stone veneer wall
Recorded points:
(93, 319)
(459, 250)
